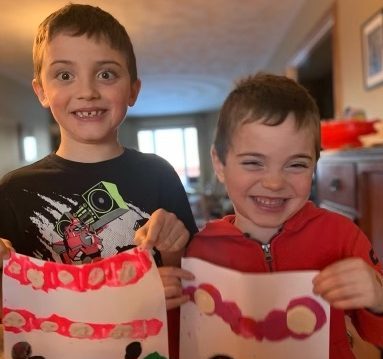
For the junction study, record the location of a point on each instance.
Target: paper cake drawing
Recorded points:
(112, 308)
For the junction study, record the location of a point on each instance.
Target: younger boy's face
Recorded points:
(268, 174)
(87, 86)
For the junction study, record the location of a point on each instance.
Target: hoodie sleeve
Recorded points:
(369, 325)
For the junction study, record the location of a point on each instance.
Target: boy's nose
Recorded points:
(273, 181)
(88, 90)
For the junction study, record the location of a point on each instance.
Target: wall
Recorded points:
(25, 115)
(351, 15)
(312, 13)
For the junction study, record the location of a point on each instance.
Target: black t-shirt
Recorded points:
(74, 212)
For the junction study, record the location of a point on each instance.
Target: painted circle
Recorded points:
(204, 301)
(301, 320)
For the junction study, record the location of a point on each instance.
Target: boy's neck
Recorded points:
(261, 234)
(90, 153)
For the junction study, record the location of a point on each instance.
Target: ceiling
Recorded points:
(189, 53)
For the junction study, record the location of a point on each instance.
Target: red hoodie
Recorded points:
(311, 240)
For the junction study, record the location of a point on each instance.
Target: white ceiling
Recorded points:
(188, 52)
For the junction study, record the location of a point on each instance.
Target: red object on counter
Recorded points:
(344, 133)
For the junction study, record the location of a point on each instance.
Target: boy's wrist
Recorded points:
(378, 309)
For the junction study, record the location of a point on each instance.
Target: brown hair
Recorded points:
(270, 99)
(77, 20)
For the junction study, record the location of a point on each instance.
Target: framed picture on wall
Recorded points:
(372, 50)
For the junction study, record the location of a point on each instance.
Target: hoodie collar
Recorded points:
(225, 227)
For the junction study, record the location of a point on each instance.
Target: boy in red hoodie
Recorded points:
(266, 147)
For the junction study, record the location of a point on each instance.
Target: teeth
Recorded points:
(88, 113)
(269, 201)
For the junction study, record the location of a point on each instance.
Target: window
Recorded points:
(30, 148)
(179, 146)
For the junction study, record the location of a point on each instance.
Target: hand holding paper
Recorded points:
(349, 284)
(164, 231)
(171, 280)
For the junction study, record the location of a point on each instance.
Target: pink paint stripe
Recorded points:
(20, 320)
(122, 269)
(273, 327)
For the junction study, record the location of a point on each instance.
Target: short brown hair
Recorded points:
(268, 98)
(79, 19)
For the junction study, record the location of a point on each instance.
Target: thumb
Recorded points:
(5, 249)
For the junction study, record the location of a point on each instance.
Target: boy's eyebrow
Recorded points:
(254, 154)
(99, 63)
(260, 155)
(108, 62)
(302, 156)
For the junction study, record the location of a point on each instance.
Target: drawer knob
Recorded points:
(335, 185)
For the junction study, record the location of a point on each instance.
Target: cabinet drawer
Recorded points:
(337, 183)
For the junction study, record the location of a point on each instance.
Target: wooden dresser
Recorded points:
(351, 182)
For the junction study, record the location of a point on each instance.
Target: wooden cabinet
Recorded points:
(351, 182)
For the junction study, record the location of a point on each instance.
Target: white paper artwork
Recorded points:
(234, 315)
(112, 308)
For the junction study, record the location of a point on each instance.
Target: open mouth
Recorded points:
(88, 114)
(268, 202)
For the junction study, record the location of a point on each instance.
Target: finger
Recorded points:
(359, 280)
(174, 237)
(167, 230)
(160, 221)
(5, 248)
(172, 303)
(176, 241)
(341, 293)
(351, 295)
(140, 235)
(173, 291)
(340, 267)
(354, 302)
(332, 283)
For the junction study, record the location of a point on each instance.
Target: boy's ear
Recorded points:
(39, 91)
(134, 91)
(217, 165)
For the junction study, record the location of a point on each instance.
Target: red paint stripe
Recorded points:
(21, 320)
(81, 278)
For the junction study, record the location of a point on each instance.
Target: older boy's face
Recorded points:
(268, 174)
(87, 86)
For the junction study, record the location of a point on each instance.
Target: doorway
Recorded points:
(316, 74)
(312, 67)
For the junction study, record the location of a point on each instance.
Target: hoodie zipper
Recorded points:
(266, 248)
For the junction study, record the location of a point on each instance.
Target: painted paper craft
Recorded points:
(234, 315)
(112, 308)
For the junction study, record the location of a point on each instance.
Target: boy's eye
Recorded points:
(304, 165)
(298, 165)
(64, 76)
(106, 75)
(252, 163)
